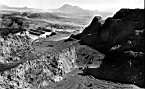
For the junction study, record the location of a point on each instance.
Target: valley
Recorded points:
(56, 49)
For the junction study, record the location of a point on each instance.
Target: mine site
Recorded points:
(72, 44)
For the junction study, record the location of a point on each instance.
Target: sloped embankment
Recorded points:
(47, 64)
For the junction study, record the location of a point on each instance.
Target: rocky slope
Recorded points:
(42, 63)
(26, 66)
(121, 39)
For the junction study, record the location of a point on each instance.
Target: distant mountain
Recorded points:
(66, 8)
(4, 7)
(19, 9)
(69, 9)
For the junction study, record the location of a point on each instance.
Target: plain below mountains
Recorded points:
(65, 14)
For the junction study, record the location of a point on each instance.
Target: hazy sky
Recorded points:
(86, 4)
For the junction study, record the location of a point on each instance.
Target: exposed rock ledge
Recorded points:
(49, 65)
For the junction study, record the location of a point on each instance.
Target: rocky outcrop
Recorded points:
(43, 66)
(93, 28)
(88, 57)
(121, 39)
(135, 16)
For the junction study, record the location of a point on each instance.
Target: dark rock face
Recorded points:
(91, 29)
(136, 16)
(121, 39)
(88, 57)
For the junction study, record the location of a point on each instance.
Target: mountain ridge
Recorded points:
(73, 9)
(19, 9)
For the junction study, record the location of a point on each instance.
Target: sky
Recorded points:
(102, 5)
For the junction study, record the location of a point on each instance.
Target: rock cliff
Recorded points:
(43, 66)
(121, 39)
